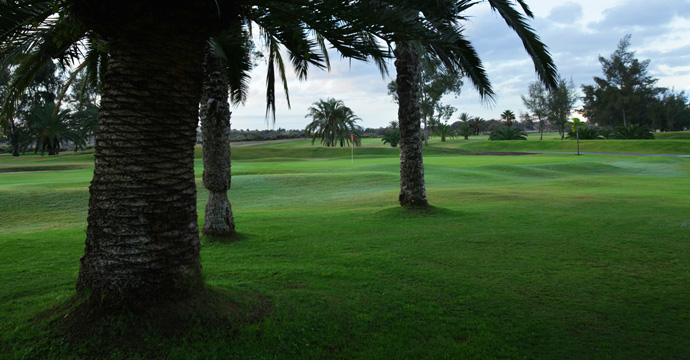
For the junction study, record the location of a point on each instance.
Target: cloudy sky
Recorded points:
(576, 32)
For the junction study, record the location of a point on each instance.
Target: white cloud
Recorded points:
(567, 13)
(575, 32)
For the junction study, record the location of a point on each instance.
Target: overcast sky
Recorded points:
(576, 33)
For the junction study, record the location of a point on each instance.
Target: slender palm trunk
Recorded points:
(426, 132)
(215, 131)
(15, 139)
(625, 120)
(142, 239)
(412, 189)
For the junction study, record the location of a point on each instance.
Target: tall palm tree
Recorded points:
(456, 55)
(478, 124)
(412, 187)
(142, 242)
(226, 68)
(508, 116)
(333, 123)
(214, 114)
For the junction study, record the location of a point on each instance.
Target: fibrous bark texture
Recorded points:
(412, 189)
(215, 131)
(142, 239)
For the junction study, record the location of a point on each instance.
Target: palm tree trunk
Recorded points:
(142, 239)
(412, 189)
(215, 131)
(426, 132)
(15, 139)
(625, 120)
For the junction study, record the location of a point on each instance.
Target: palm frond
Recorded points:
(233, 48)
(33, 43)
(543, 63)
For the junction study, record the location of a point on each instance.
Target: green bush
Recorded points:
(606, 133)
(586, 133)
(633, 132)
(508, 133)
(391, 137)
(465, 131)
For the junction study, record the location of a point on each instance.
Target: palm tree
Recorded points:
(226, 67)
(465, 131)
(391, 137)
(86, 121)
(444, 130)
(576, 124)
(214, 115)
(456, 55)
(478, 124)
(148, 117)
(412, 187)
(585, 133)
(333, 123)
(607, 133)
(142, 244)
(508, 133)
(465, 118)
(51, 126)
(508, 116)
(633, 131)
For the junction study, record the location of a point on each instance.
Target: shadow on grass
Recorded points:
(237, 237)
(400, 212)
(150, 332)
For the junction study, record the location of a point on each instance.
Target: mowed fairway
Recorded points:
(549, 256)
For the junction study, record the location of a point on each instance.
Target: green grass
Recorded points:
(550, 256)
(673, 135)
(666, 143)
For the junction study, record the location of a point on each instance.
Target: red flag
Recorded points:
(352, 138)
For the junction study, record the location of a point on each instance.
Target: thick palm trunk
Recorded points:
(215, 132)
(412, 189)
(142, 239)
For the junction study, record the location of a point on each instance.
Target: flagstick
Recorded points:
(352, 140)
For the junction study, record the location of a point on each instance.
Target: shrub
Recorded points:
(508, 133)
(465, 131)
(444, 131)
(586, 133)
(606, 133)
(391, 137)
(633, 132)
